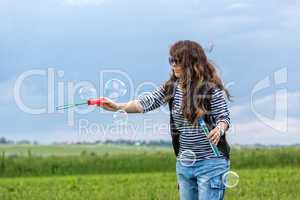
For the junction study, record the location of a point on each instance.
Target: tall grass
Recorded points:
(144, 161)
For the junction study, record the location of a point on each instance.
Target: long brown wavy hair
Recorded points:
(198, 79)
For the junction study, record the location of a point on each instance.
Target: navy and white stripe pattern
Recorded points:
(192, 138)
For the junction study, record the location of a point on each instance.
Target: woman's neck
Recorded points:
(180, 83)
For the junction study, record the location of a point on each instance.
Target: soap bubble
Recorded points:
(187, 158)
(230, 179)
(87, 92)
(209, 47)
(120, 117)
(114, 89)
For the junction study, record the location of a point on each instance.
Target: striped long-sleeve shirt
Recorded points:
(191, 138)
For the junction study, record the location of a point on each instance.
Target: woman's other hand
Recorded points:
(214, 136)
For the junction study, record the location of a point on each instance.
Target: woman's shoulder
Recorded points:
(218, 94)
(217, 91)
(212, 88)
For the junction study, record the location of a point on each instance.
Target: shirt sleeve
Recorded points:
(219, 107)
(152, 100)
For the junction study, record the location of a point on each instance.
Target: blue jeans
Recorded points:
(202, 180)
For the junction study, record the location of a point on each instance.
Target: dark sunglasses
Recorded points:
(173, 61)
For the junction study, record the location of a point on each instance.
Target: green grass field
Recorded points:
(119, 172)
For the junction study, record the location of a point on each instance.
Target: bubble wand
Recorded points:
(206, 132)
(89, 102)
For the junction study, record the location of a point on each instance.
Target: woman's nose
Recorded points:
(173, 65)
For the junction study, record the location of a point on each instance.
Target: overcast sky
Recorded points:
(255, 45)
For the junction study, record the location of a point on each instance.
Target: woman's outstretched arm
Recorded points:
(142, 104)
(130, 107)
(133, 106)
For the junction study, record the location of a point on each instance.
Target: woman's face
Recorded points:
(178, 70)
(176, 67)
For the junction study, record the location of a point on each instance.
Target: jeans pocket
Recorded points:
(216, 182)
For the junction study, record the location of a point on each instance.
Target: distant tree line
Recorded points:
(162, 143)
(124, 142)
(3, 140)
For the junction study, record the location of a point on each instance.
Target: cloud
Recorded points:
(249, 128)
(238, 6)
(290, 15)
(78, 3)
(269, 104)
(7, 91)
(254, 131)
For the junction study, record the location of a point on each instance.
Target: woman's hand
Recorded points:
(109, 105)
(214, 135)
(129, 107)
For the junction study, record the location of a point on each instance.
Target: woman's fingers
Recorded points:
(214, 136)
(215, 142)
(108, 104)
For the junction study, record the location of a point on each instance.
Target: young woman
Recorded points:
(193, 91)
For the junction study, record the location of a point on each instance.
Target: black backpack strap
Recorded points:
(173, 129)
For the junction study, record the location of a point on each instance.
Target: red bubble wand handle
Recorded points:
(95, 102)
